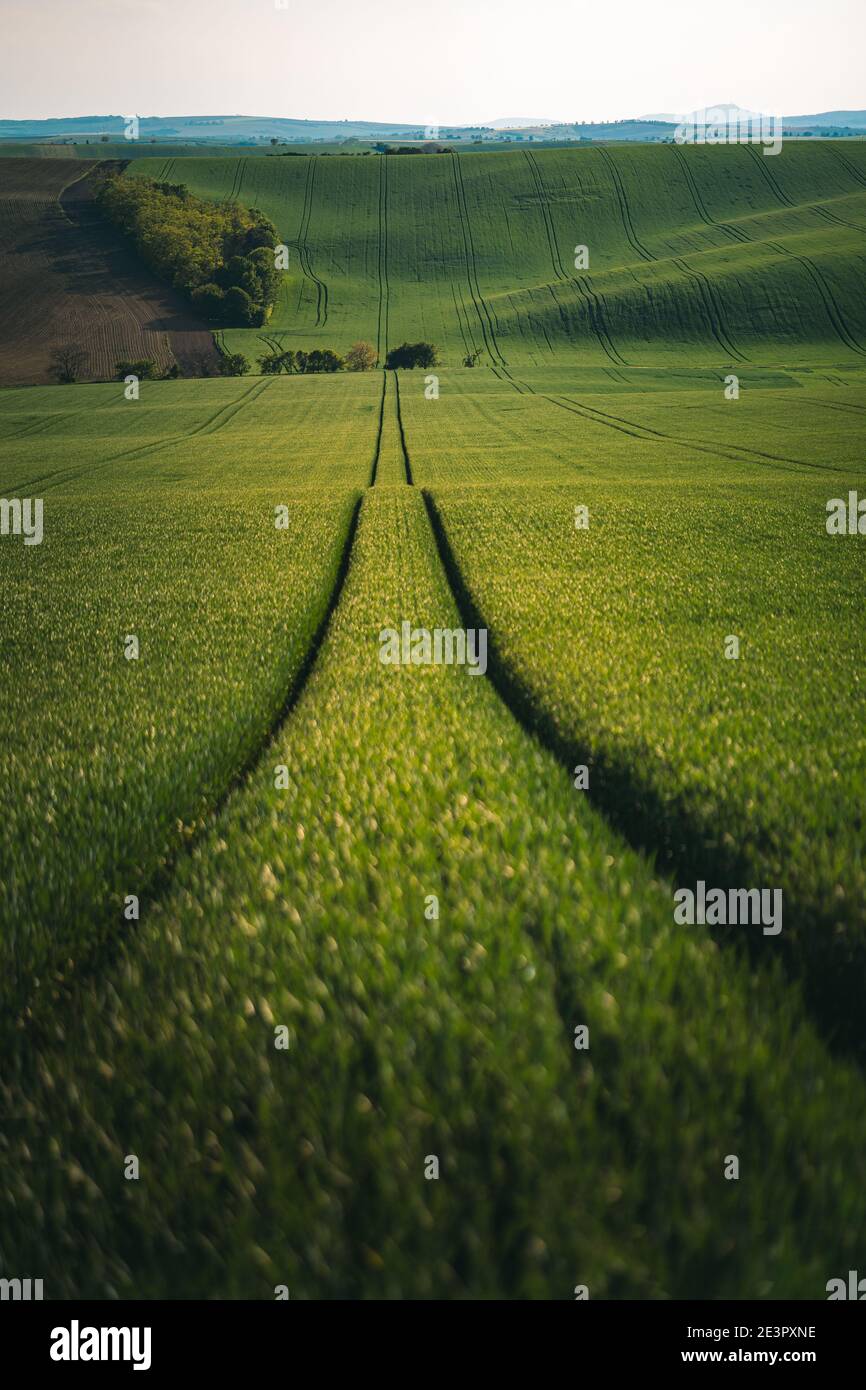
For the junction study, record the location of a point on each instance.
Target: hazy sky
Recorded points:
(446, 62)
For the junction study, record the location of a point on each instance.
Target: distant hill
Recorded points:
(519, 122)
(697, 254)
(849, 118)
(263, 131)
(857, 119)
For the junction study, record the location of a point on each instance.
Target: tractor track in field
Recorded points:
(584, 288)
(735, 453)
(631, 235)
(712, 309)
(407, 463)
(236, 178)
(769, 178)
(706, 291)
(384, 287)
(243, 174)
(735, 232)
(24, 1011)
(209, 427)
(395, 418)
(825, 294)
(785, 201)
(271, 343)
(32, 1008)
(40, 426)
(485, 318)
(846, 407)
(520, 387)
(850, 168)
(106, 943)
(378, 448)
(469, 344)
(303, 250)
(834, 219)
(664, 831)
(833, 311)
(45, 481)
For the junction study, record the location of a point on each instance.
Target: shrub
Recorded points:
(361, 357)
(233, 364)
(68, 362)
(145, 369)
(412, 355)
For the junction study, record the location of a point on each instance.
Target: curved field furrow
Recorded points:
(730, 451)
(826, 296)
(849, 168)
(712, 308)
(463, 323)
(213, 423)
(303, 248)
(622, 201)
(382, 264)
(649, 435)
(484, 316)
(596, 314)
(735, 233)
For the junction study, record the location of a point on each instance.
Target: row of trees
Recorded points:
(301, 363)
(220, 255)
(69, 362)
(361, 357)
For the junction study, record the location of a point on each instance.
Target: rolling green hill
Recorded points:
(697, 255)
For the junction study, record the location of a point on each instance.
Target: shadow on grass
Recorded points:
(826, 964)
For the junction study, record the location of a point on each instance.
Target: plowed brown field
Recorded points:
(67, 277)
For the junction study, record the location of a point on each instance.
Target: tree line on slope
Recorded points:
(361, 357)
(221, 256)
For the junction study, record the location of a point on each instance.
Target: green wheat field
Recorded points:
(382, 920)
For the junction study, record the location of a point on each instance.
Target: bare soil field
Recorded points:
(66, 277)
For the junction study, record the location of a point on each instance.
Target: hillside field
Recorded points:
(375, 969)
(697, 255)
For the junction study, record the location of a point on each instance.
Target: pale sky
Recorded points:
(438, 63)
